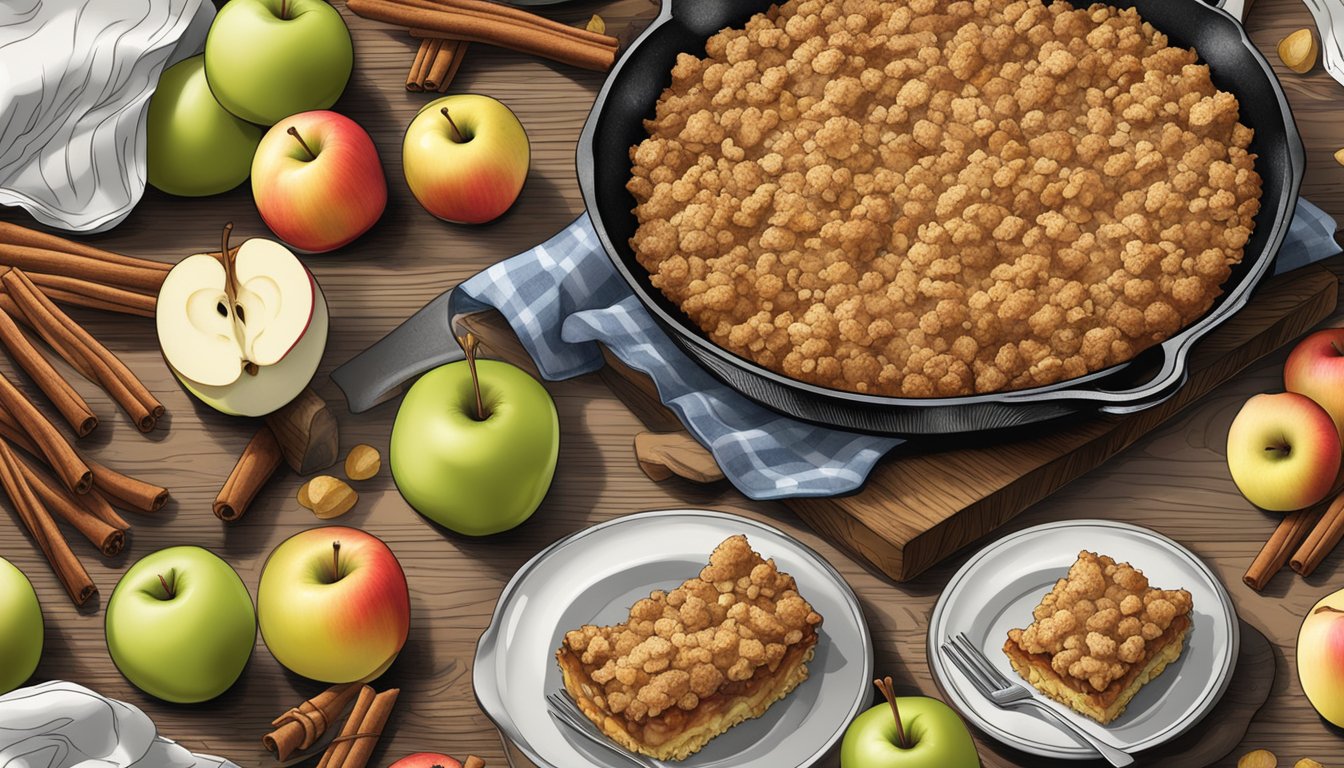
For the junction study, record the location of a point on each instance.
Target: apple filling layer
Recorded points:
(691, 663)
(1099, 636)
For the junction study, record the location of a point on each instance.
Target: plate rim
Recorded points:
(938, 672)
(487, 644)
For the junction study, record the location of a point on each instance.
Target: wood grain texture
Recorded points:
(1173, 480)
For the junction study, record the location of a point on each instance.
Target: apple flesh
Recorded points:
(475, 476)
(1320, 657)
(465, 158)
(21, 629)
(244, 333)
(333, 605)
(180, 625)
(936, 736)
(269, 59)
(195, 147)
(317, 181)
(1283, 451)
(1315, 368)
(427, 760)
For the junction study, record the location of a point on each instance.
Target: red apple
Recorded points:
(1316, 369)
(465, 158)
(1283, 451)
(333, 605)
(427, 760)
(317, 181)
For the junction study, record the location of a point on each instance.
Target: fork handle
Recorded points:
(1111, 754)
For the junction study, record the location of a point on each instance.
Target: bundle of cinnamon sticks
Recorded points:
(301, 727)
(1302, 541)
(481, 21)
(36, 271)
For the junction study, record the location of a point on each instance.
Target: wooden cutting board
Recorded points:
(923, 503)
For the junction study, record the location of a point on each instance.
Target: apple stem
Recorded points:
(469, 344)
(295, 133)
(335, 561)
(889, 691)
(284, 9)
(458, 136)
(167, 589)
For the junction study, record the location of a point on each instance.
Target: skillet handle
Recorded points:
(1234, 8)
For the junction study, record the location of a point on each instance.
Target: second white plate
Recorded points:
(999, 587)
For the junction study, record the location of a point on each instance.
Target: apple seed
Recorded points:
(1260, 758)
(330, 496)
(363, 462)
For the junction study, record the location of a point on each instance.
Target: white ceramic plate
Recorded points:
(998, 588)
(595, 575)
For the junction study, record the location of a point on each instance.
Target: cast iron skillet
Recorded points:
(633, 87)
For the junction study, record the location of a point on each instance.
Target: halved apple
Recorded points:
(243, 330)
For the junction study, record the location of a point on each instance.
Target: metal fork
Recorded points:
(566, 712)
(1003, 692)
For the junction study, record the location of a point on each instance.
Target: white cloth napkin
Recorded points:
(75, 82)
(64, 725)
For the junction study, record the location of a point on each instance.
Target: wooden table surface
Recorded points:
(1174, 481)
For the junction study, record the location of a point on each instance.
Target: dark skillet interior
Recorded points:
(634, 86)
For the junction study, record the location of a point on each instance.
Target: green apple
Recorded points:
(268, 59)
(196, 147)
(475, 472)
(180, 625)
(935, 735)
(20, 628)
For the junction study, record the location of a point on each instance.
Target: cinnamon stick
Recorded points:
(14, 234)
(415, 79)
(439, 66)
(108, 539)
(1321, 541)
(127, 492)
(71, 341)
(260, 459)
(495, 24)
(1286, 537)
(46, 439)
(78, 293)
(68, 402)
(143, 279)
(69, 570)
(11, 307)
(339, 748)
(354, 747)
(300, 727)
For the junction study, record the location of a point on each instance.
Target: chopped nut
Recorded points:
(1299, 50)
(305, 500)
(1307, 762)
(1339, 156)
(330, 496)
(363, 462)
(1260, 758)
(596, 24)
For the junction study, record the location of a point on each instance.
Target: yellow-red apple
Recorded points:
(465, 157)
(317, 181)
(1283, 451)
(1315, 368)
(1320, 657)
(333, 605)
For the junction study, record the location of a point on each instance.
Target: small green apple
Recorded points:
(475, 472)
(180, 625)
(269, 59)
(20, 628)
(935, 736)
(195, 146)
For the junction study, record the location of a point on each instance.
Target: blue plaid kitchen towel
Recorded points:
(564, 296)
